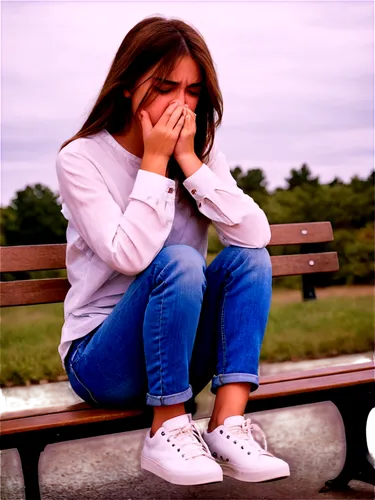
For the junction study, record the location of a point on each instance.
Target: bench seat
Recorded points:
(271, 387)
(349, 387)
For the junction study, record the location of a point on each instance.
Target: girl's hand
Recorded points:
(185, 144)
(159, 141)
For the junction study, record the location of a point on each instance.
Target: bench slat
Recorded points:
(27, 292)
(318, 372)
(82, 413)
(32, 257)
(289, 265)
(65, 419)
(304, 385)
(97, 415)
(41, 257)
(301, 232)
(264, 380)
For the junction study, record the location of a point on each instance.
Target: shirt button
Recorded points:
(170, 190)
(193, 191)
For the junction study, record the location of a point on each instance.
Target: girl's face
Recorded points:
(182, 84)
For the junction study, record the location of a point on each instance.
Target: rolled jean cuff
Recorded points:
(230, 378)
(172, 399)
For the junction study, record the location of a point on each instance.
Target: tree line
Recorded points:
(34, 217)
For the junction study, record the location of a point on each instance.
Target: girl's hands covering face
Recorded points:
(185, 143)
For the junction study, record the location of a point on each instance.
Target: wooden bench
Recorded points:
(348, 387)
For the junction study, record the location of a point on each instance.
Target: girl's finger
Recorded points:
(190, 111)
(181, 122)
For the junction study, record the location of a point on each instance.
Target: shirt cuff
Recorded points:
(151, 185)
(201, 183)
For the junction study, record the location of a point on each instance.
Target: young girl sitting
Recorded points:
(146, 321)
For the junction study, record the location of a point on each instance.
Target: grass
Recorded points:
(296, 330)
(320, 328)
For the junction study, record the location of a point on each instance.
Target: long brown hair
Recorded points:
(160, 43)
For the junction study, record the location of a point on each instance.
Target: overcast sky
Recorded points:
(297, 80)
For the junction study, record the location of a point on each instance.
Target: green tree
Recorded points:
(8, 222)
(300, 177)
(336, 181)
(236, 173)
(33, 218)
(253, 183)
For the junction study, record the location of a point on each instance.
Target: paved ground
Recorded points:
(310, 438)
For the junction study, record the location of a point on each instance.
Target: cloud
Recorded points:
(297, 80)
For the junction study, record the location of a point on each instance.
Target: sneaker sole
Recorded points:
(254, 477)
(178, 478)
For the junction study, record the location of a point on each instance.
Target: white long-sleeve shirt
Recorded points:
(120, 217)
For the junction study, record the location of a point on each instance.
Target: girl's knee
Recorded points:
(187, 258)
(258, 257)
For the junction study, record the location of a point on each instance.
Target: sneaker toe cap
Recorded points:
(203, 463)
(276, 465)
(204, 467)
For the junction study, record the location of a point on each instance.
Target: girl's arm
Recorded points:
(127, 241)
(237, 218)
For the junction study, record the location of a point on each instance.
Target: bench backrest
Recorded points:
(47, 257)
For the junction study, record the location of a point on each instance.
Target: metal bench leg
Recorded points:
(30, 461)
(354, 407)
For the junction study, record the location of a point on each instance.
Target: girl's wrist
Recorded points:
(154, 163)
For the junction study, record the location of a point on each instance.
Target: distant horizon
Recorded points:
(232, 165)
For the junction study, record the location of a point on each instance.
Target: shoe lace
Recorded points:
(245, 432)
(190, 441)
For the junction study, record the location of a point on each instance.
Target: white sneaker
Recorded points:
(178, 454)
(240, 456)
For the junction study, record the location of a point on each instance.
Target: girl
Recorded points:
(146, 321)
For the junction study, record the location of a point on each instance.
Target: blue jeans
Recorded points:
(179, 325)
